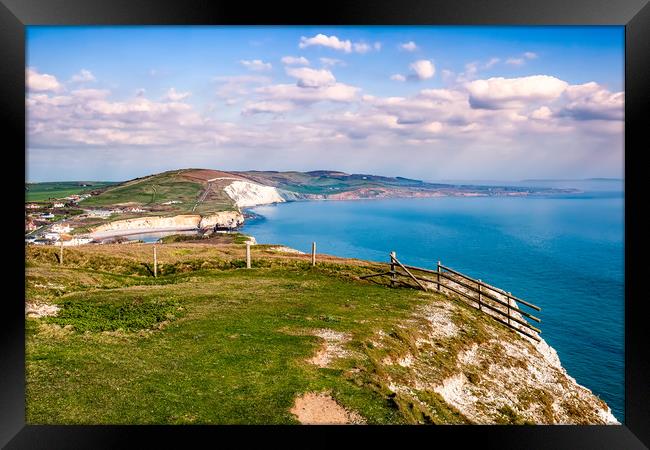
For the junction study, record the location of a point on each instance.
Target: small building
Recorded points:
(52, 236)
(77, 241)
(32, 206)
(61, 228)
(59, 205)
(48, 216)
(30, 226)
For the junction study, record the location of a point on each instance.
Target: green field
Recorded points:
(36, 192)
(152, 191)
(211, 342)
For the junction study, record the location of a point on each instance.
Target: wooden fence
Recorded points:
(499, 304)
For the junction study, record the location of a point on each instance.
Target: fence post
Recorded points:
(479, 295)
(509, 308)
(438, 270)
(61, 258)
(155, 262)
(248, 255)
(313, 254)
(393, 273)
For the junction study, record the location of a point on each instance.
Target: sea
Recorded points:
(564, 253)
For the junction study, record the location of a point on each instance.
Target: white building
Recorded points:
(77, 241)
(61, 228)
(59, 205)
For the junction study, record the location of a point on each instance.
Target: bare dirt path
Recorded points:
(321, 409)
(203, 196)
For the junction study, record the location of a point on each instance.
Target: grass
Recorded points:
(210, 343)
(36, 192)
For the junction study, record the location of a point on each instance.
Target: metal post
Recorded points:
(313, 254)
(479, 295)
(248, 255)
(393, 273)
(61, 258)
(155, 262)
(438, 269)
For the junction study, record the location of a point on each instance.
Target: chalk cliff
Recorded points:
(247, 194)
(223, 219)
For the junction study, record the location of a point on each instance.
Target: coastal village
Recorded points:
(53, 221)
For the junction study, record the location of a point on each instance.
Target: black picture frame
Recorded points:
(633, 14)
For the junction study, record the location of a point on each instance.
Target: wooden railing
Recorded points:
(499, 304)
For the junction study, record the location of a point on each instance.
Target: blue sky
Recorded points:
(427, 102)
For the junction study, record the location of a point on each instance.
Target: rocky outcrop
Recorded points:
(246, 194)
(485, 373)
(223, 219)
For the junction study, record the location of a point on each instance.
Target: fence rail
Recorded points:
(497, 303)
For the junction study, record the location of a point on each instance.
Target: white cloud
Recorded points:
(542, 113)
(311, 78)
(326, 41)
(41, 82)
(295, 61)
(331, 62)
(423, 69)
(515, 61)
(590, 101)
(175, 96)
(83, 76)
(491, 63)
(499, 93)
(335, 43)
(530, 55)
(409, 46)
(361, 47)
(337, 92)
(91, 93)
(256, 65)
(267, 107)
(398, 77)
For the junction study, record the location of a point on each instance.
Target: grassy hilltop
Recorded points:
(211, 342)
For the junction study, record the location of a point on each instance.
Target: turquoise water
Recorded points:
(565, 254)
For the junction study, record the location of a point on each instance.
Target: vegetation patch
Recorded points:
(125, 315)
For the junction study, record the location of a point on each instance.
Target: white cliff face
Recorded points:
(503, 376)
(223, 219)
(250, 194)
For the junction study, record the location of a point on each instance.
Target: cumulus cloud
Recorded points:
(83, 76)
(398, 77)
(423, 68)
(326, 41)
(267, 107)
(256, 65)
(335, 43)
(499, 93)
(41, 82)
(175, 96)
(530, 55)
(311, 78)
(542, 113)
(331, 62)
(337, 92)
(295, 61)
(409, 46)
(592, 102)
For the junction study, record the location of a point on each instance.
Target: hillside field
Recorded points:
(209, 341)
